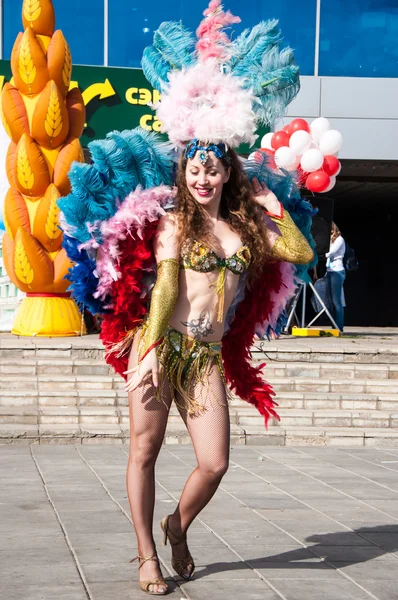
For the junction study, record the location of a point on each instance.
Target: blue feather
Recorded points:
(156, 164)
(82, 278)
(175, 43)
(173, 48)
(268, 71)
(250, 46)
(91, 200)
(155, 68)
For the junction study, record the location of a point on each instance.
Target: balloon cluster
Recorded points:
(309, 149)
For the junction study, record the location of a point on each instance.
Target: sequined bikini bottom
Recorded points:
(186, 362)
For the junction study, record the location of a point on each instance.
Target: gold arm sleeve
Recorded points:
(164, 298)
(291, 245)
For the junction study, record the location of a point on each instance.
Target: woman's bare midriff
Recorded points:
(195, 313)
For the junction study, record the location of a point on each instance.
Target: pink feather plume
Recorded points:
(279, 297)
(213, 42)
(136, 211)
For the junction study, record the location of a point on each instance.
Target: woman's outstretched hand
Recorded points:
(265, 198)
(135, 376)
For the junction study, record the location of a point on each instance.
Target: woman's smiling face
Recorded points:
(205, 182)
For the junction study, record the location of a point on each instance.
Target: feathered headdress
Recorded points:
(218, 90)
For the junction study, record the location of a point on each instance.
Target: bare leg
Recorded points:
(210, 433)
(148, 420)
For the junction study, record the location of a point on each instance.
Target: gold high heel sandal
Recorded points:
(179, 564)
(145, 585)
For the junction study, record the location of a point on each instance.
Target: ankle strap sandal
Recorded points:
(158, 581)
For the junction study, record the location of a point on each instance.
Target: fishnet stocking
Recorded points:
(148, 420)
(210, 433)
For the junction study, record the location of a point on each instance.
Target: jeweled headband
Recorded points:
(219, 151)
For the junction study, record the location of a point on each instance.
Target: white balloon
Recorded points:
(331, 142)
(286, 158)
(312, 160)
(314, 145)
(266, 141)
(300, 142)
(318, 127)
(331, 184)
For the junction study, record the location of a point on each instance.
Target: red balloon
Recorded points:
(279, 139)
(270, 154)
(318, 181)
(331, 165)
(299, 125)
(288, 130)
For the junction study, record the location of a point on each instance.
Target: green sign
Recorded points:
(115, 98)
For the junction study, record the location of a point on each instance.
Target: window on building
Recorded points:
(82, 23)
(359, 38)
(131, 25)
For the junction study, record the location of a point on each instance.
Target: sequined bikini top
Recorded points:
(199, 257)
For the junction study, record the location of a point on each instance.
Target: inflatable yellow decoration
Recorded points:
(44, 121)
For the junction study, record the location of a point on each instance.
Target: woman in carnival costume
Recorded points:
(185, 276)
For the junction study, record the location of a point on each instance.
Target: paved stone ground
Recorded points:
(287, 523)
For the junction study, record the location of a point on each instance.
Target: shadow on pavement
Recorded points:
(344, 547)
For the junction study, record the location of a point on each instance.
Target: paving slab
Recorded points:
(385, 590)
(317, 590)
(286, 524)
(215, 589)
(43, 591)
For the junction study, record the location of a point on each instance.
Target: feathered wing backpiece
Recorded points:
(260, 305)
(121, 162)
(284, 185)
(109, 220)
(261, 310)
(214, 90)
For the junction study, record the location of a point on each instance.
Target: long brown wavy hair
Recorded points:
(237, 208)
(335, 232)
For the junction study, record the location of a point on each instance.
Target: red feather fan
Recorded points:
(242, 377)
(130, 305)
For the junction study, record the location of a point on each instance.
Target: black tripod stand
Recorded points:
(302, 292)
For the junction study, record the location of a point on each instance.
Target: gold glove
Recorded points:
(164, 298)
(291, 246)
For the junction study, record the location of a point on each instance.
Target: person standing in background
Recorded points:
(335, 274)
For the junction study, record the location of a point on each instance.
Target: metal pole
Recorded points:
(304, 300)
(106, 33)
(293, 308)
(317, 37)
(1, 30)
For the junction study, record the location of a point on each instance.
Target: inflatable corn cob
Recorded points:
(44, 121)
